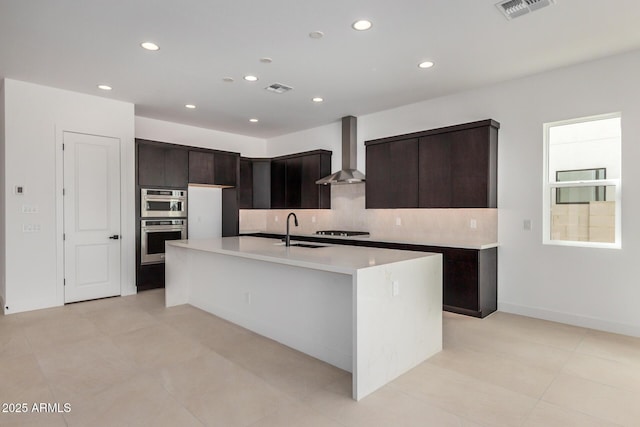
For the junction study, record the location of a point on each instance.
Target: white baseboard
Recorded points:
(571, 319)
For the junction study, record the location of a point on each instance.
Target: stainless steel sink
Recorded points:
(308, 245)
(302, 245)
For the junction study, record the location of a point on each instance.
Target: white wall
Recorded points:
(176, 133)
(585, 286)
(35, 117)
(327, 137)
(2, 210)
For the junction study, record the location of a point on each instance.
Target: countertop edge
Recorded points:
(280, 260)
(451, 245)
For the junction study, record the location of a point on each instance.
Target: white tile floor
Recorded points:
(130, 361)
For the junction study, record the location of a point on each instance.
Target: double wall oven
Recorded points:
(162, 217)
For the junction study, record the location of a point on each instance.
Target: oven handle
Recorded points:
(153, 228)
(164, 198)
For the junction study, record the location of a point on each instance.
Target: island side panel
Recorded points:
(177, 280)
(306, 309)
(395, 333)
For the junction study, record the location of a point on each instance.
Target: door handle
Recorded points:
(114, 237)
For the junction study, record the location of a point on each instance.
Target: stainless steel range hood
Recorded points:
(348, 174)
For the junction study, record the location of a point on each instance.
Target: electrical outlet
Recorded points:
(395, 288)
(276, 218)
(247, 297)
(526, 225)
(29, 209)
(398, 220)
(473, 224)
(313, 219)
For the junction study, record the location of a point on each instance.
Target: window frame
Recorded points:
(550, 187)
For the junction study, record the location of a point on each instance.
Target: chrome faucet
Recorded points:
(287, 238)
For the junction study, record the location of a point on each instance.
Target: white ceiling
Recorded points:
(78, 44)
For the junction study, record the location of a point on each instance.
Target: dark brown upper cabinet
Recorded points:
(213, 168)
(245, 189)
(293, 181)
(392, 175)
(225, 169)
(201, 167)
(278, 183)
(161, 165)
(255, 183)
(452, 167)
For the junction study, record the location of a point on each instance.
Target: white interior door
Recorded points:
(91, 216)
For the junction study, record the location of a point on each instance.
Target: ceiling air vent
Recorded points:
(514, 8)
(278, 88)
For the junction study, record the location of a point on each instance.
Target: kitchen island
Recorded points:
(373, 312)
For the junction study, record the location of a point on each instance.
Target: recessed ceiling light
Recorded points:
(253, 120)
(228, 79)
(266, 60)
(251, 78)
(317, 99)
(150, 46)
(104, 87)
(362, 25)
(426, 64)
(316, 34)
(190, 106)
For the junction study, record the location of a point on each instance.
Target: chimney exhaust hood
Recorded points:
(348, 174)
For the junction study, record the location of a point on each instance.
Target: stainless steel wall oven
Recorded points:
(159, 203)
(153, 234)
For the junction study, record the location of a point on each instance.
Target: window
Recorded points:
(581, 198)
(568, 195)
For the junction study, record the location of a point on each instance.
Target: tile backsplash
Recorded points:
(411, 225)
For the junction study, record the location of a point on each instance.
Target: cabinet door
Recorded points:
(176, 166)
(262, 184)
(392, 174)
(314, 167)
(470, 168)
(310, 191)
(278, 183)
(461, 279)
(293, 186)
(225, 169)
(434, 186)
(246, 184)
(151, 171)
(201, 167)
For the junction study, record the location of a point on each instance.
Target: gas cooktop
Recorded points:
(342, 233)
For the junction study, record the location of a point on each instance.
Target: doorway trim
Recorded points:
(127, 205)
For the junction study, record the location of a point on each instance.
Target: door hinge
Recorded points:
(64, 236)
(63, 147)
(64, 282)
(63, 191)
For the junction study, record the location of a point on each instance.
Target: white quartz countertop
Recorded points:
(335, 258)
(469, 243)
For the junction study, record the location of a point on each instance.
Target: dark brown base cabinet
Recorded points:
(470, 281)
(452, 167)
(469, 276)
